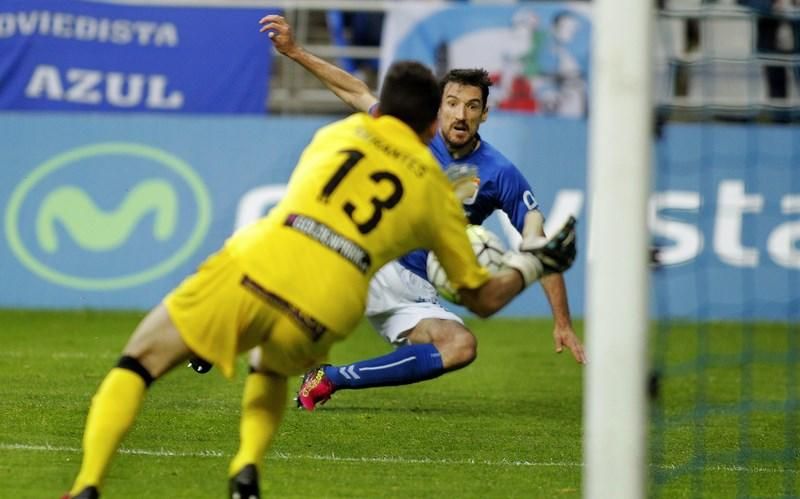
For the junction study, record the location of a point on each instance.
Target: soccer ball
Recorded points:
(487, 247)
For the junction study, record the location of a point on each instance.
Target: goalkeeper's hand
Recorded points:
(538, 257)
(555, 253)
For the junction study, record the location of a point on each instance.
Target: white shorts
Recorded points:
(399, 299)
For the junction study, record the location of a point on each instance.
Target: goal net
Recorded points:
(725, 351)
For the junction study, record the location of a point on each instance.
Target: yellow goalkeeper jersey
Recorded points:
(365, 191)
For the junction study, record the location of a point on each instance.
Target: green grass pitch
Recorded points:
(507, 426)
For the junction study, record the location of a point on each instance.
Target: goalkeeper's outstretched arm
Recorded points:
(534, 261)
(494, 294)
(347, 87)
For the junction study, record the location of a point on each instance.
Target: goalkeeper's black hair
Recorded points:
(470, 77)
(411, 94)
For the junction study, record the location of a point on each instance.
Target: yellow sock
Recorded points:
(263, 404)
(113, 410)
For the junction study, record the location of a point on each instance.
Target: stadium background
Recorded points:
(97, 121)
(539, 122)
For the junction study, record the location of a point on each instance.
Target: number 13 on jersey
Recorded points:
(365, 218)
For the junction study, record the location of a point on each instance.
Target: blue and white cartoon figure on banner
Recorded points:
(537, 55)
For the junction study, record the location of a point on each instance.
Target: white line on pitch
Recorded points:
(136, 452)
(376, 459)
(290, 457)
(60, 355)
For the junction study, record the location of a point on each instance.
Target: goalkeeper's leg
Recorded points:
(263, 405)
(154, 348)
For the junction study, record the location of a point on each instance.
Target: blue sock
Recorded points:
(408, 364)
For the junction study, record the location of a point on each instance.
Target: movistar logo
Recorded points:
(107, 216)
(96, 230)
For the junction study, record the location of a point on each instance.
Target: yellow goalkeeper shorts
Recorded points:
(220, 313)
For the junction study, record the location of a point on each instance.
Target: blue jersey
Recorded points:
(501, 186)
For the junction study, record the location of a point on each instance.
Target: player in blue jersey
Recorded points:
(403, 306)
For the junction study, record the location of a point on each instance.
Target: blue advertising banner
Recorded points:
(109, 211)
(112, 211)
(86, 56)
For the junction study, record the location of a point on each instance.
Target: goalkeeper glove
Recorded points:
(540, 257)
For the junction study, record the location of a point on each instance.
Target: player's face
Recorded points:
(461, 113)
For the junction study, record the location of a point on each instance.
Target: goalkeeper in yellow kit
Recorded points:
(365, 191)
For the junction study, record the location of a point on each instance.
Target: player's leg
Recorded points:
(404, 309)
(263, 405)
(430, 348)
(154, 348)
(456, 344)
(288, 350)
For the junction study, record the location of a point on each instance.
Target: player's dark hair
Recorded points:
(470, 77)
(410, 93)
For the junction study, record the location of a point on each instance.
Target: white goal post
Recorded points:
(620, 134)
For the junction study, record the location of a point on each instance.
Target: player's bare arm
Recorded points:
(494, 294)
(347, 87)
(556, 292)
(563, 333)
